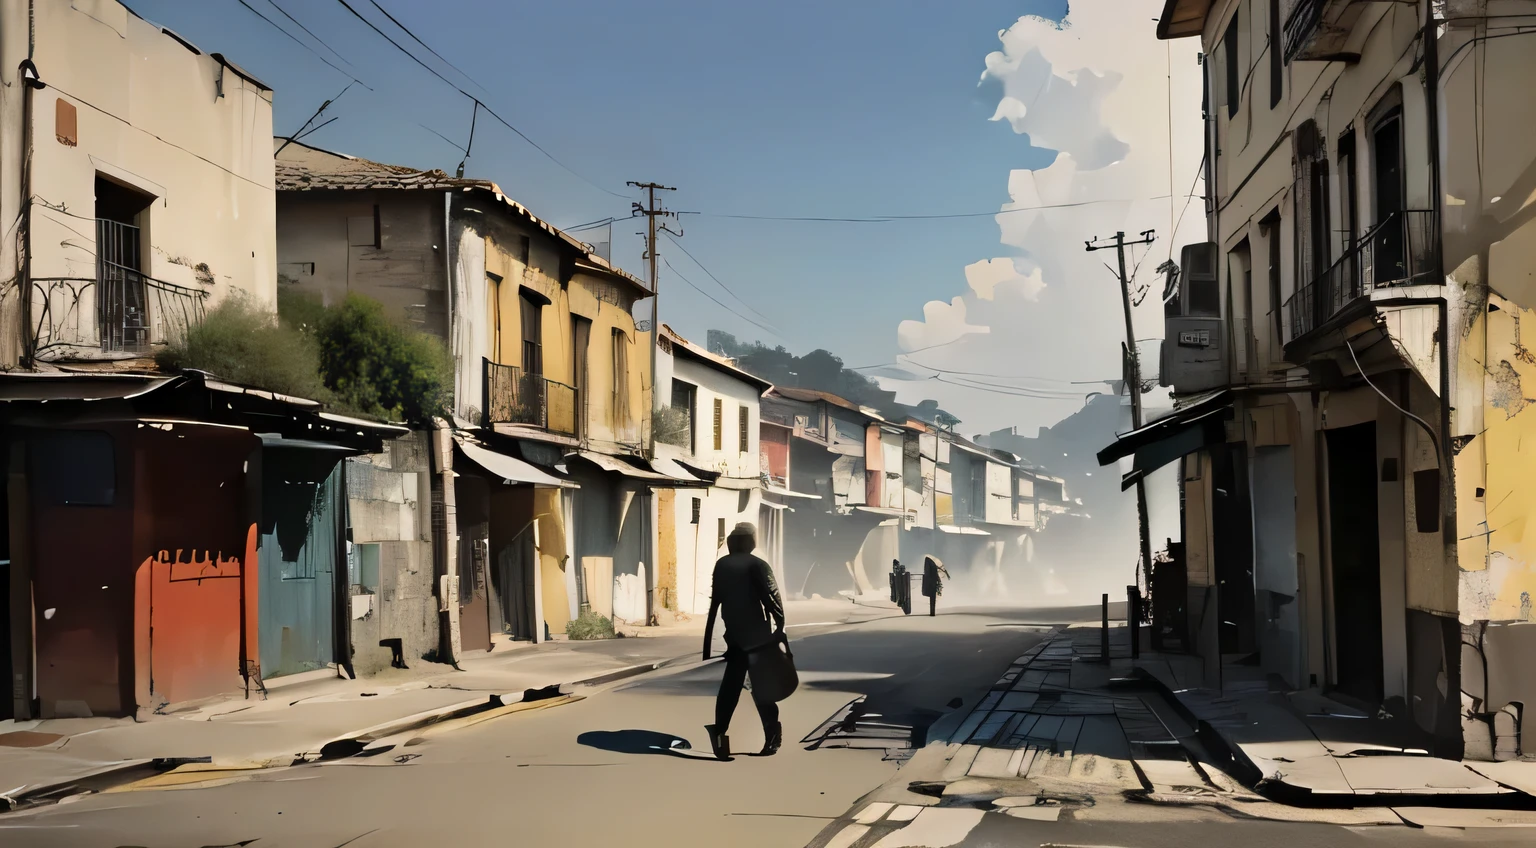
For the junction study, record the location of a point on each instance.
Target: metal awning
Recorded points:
(962, 531)
(510, 469)
(675, 469)
(881, 510)
(777, 507)
(786, 493)
(1166, 439)
(619, 466)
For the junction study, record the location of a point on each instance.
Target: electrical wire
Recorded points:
(300, 24)
(1434, 439)
(273, 24)
(717, 302)
(489, 111)
(711, 275)
(405, 29)
(997, 391)
(887, 219)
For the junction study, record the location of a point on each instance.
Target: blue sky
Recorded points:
(802, 107)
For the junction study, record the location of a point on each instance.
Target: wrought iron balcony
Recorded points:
(120, 311)
(513, 397)
(1399, 251)
(1320, 29)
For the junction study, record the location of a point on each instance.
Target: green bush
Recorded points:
(589, 625)
(378, 367)
(243, 343)
(351, 357)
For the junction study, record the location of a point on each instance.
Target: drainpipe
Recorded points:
(31, 82)
(446, 542)
(1451, 736)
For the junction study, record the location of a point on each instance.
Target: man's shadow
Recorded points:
(643, 742)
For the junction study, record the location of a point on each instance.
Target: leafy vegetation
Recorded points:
(375, 366)
(589, 625)
(243, 343)
(350, 356)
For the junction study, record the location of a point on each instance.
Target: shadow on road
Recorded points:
(642, 742)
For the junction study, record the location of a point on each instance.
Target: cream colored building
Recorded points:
(551, 503)
(138, 174)
(1347, 352)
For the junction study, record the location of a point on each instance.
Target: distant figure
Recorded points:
(934, 575)
(745, 592)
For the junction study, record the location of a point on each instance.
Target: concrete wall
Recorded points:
(326, 247)
(733, 459)
(389, 498)
(150, 113)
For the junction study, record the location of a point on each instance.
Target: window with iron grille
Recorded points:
(719, 423)
(697, 504)
(742, 422)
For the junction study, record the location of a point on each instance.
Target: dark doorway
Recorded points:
(1387, 154)
(1355, 546)
(122, 301)
(1232, 518)
(472, 502)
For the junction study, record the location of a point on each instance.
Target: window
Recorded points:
(363, 564)
(683, 395)
(122, 301)
(1230, 58)
(720, 533)
(1276, 55)
(533, 334)
(1312, 216)
(979, 490)
(1271, 229)
(743, 418)
(493, 295)
(1387, 192)
(620, 375)
(719, 424)
(1240, 305)
(581, 339)
(697, 503)
(74, 468)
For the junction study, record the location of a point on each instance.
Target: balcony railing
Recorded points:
(120, 311)
(1397, 252)
(513, 397)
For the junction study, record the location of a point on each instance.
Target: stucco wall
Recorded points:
(154, 115)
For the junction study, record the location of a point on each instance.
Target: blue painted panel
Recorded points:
(301, 522)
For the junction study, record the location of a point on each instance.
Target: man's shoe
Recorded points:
(719, 742)
(773, 738)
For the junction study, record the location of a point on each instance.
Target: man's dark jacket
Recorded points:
(746, 593)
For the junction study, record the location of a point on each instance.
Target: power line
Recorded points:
(301, 25)
(990, 374)
(407, 30)
(489, 111)
(762, 327)
(711, 275)
(886, 219)
(295, 39)
(999, 391)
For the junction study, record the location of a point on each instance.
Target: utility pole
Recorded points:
(651, 212)
(1134, 361)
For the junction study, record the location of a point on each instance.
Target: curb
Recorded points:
(1229, 757)
(340, 747)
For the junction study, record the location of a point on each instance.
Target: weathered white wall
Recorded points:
(154, 115)
(734, 459)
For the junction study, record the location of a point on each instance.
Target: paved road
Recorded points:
(570, 775)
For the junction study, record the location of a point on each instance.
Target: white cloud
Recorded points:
(942, 324)
(986, 276)
(1095, 90)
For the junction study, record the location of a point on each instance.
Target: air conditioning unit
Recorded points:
(1199, 289)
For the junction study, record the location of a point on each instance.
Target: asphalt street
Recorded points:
(607, 769)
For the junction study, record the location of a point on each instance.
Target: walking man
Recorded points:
(745, 592)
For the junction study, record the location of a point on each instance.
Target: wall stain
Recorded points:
(1507, 394)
